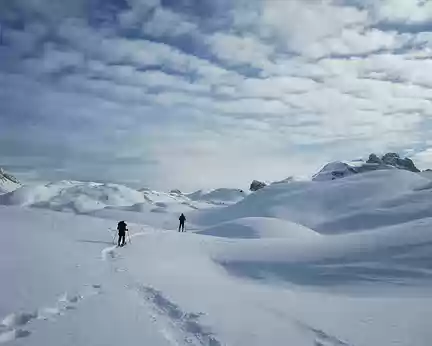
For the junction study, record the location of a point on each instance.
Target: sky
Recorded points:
(207, 93)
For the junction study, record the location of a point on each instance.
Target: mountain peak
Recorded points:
(393, 159)
(338, 169)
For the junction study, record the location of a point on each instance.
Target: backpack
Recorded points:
(121, 226)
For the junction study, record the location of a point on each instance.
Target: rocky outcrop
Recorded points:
(373, 158)
(335, 170)
(393, 159)
(257, 185)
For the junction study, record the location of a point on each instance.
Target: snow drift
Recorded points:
(73, 196)
(257, 228)
(358, 202)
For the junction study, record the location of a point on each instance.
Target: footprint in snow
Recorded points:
(321, 338)
(67, 301)
(18, 319)
(324, 339)
(180, 325)
(8, 324)
(13, 334)
(9, 330)
(48, 313)
(109, 253)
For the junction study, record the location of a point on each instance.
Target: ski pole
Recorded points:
(115, 235)
(129, 238)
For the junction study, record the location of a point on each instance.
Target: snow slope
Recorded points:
(358, 202)
(258, 227)
(331, 263)
(66, 283)
(336, 170)
(55, 287)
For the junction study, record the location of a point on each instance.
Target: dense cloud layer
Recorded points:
(186, 93)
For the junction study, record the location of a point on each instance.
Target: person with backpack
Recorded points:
(182, 220)
(122, 229)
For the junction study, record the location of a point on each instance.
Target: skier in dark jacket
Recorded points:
(182, 219)
(122, 229)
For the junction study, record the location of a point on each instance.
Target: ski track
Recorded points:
(175, 325)
(110, 252)
(178, 327)
(322, 338)
(12, 326)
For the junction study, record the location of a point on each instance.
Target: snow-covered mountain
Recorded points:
(393, 159)
(7, 182)
(339, 262)
(339, 169)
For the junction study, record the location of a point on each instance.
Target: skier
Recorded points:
(182, 219)
(122, 229)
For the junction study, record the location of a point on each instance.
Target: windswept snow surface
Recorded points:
(332, 263)
(258, 227)
(359, 202)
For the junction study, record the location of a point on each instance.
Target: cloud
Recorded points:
(239, 50)
(299, 24)
(167, 23)
(194, 94)
(415, 11)
(423, 159)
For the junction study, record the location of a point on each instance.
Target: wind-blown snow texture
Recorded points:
(344, 262)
